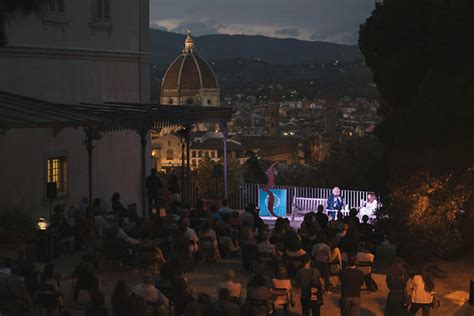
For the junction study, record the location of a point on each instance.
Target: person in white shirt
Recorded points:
(322, 254)
(369, 207)
(235, 289)
(122, 235)
(191, 235)
(422, 290)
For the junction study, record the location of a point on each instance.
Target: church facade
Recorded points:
(70, 52)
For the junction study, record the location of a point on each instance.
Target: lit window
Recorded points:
(169, 143)
(55, 6)
(57, 173)
(169, 154)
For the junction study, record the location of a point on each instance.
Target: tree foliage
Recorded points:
(422, 59)
(254, 172)
(209, 178)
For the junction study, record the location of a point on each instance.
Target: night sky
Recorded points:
(326, 20)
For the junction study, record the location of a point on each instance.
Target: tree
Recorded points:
(254, 173)
(209, 178)
(423, 65)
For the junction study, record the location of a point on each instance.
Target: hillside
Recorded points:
(165, 46)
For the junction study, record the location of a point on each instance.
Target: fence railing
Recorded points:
(248, 193)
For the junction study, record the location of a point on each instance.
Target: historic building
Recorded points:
(272, 115)
(70, 52)
(190, 80)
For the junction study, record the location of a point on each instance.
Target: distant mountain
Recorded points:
(165, 46)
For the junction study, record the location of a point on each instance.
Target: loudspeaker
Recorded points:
(471, 293)
(51, 190)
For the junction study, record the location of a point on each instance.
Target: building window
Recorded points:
(57, 173)
(189, 101)
(55, 6)
(169, 154)
(213, 154)
(102, 10)
(200, 154)
(170, 101)
(209, 102)
(193, 154)
(169, 143)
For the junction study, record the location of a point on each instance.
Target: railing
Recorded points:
(248, 193)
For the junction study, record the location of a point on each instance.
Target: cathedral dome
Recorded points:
(189, 79)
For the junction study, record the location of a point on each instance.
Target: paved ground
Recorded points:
(453, 289)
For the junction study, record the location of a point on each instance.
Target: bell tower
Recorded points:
(272, 114)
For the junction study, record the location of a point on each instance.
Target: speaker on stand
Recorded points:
(51, 194)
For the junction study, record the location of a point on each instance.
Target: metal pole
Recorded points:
(90, 148)
(188, 168)
(225, 159)
(143, 133)
(182, 168)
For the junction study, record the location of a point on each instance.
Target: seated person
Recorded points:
(151, 295)
(224, 233)
(224, 306)
(335, 202)
(49, 284)
(117, 207)
(365, 228)
(282, 289)
(265, 246)
(123, 236)
(369, 207)
(191, 235)
(208, 242)
(123, 300)
(99, 218)
(201, 307)
(259, 296)
(235, 289)
(96, 307)
(14, 297)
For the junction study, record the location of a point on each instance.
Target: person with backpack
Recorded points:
(309, 280)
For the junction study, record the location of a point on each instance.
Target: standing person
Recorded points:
(397, 279)
(308, 279)
(422, 291)
(153, 186)
(335, 202)
(322, 255)
(322, 218)
(351, 281)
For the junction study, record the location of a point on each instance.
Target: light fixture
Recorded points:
(42, 224)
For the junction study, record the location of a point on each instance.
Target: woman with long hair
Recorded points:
(397, 278)
(422, 291)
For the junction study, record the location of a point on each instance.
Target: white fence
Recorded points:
(248, 193)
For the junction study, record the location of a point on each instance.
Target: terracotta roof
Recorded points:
(189, 71)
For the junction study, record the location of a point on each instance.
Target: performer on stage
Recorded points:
(369, 207)
(335, 203)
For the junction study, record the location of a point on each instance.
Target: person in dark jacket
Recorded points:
(153, 186)
(351, 282)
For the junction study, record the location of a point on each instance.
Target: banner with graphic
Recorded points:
(279, 202)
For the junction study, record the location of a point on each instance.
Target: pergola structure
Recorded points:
(20, 112)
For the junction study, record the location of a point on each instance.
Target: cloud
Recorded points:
(335, 20)
(292, 32)
(197, 27)
(340, 38)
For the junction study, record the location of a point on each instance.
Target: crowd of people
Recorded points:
(322, 255)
